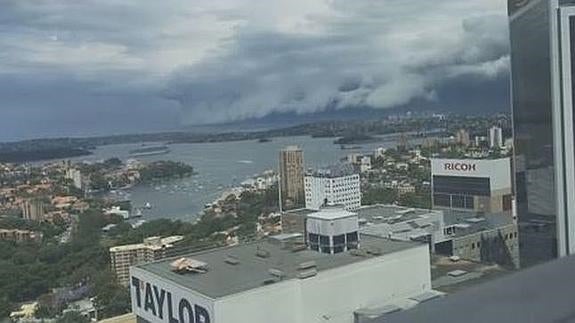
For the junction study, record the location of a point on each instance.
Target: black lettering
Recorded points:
(473, 167)
(184, 307)
(149, 300)
(160, 297)
(136, 285)
(171, 318)
(202, 315)
(448, 166)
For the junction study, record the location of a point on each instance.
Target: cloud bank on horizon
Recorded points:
(125, 65)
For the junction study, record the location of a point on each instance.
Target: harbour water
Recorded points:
(219, 166)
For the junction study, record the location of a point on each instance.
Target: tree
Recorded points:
(378, 196)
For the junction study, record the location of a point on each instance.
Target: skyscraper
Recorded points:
(462, 137)
(495, 137)
(541, 53)
(292, 193)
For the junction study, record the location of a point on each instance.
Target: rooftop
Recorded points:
(467, 222)
(263, 262)
(331, 213)
(334, 171)
(405, 223)
(399, 222)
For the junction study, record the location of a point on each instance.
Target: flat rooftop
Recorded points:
(399, 222)
(391, 214)
(253, 271)
(403, 222)
(468, 222)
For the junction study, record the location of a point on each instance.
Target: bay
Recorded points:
(220, 166)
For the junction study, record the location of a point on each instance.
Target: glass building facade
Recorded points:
(543, 128)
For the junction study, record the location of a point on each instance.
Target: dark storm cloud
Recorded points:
(379, 54)
(122, 65)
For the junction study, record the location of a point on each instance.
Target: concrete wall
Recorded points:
(499, 245)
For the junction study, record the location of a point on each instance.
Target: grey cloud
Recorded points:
(137, 62)
(362, 59)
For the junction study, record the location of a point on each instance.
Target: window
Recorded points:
(461, 185)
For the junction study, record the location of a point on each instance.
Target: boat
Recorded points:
(150, 151)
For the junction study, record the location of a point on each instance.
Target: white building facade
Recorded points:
(482, 185)
(339, 186)
(495, 137)
(337, 293)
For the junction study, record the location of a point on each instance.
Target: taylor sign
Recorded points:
(158, 302)
(464, 167)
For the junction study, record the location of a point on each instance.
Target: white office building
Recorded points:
(482, 185)
(275, 280)
(334, 185)
(495, 137)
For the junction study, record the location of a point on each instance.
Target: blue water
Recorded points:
(219, 166)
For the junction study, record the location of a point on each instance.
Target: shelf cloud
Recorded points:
(151, 65)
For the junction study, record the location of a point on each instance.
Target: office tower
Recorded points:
(33, 210)
(152, 249)
(339, 184)
(470, 184)
(462, 137)
(495, 137)
(541, 34)
(292, 194)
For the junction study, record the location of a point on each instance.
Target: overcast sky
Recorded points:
(71, 67)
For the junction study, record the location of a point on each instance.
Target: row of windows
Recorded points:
(462, 185)
(454, 201)
(506, 237)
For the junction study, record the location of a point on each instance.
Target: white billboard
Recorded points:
(497, 170)
(161, 301)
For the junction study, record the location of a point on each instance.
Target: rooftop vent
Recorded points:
(374, 251)
(299, 247)
(269, 281)
(307, 273)
(359, 253)
(276, 273)
(263, 253)
(307, 265)
(184, 265)
(231, 260)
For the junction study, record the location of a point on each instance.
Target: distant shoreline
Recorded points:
(61, 148)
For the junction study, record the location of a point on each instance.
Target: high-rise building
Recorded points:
(472, 184)
(33, 210)
(495, 137)
(338, 184)
(462, 137)
(153, 249)
(75, 175)
(542, 51)
(292, 193)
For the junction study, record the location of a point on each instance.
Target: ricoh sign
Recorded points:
(463, 167)
(157, 301)
(472, 167)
